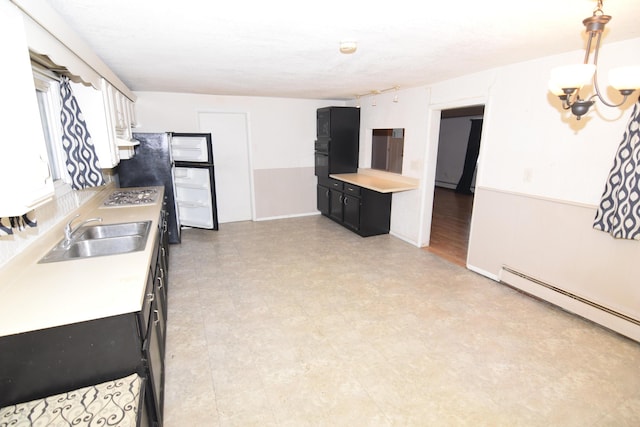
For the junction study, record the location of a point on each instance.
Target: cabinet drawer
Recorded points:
(335, 184)
(351, 189)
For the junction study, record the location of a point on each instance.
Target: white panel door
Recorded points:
(231, 161)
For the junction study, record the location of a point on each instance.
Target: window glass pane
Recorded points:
(52, 153)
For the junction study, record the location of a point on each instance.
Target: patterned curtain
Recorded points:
(619, 210)
(17, 223)
(81, 158)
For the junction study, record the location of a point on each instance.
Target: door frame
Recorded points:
(431, 160)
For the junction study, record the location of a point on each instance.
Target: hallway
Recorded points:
(450, 225)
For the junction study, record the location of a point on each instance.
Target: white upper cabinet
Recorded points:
(109, 117)
(24, 170)
(96, 110)
(122, 116)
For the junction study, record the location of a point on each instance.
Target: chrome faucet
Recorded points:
(69, 231)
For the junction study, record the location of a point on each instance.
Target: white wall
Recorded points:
(540, 177)
(529, 144)
(410, 113)
(535, 148)
(281, 140)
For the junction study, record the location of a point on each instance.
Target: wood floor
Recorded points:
(450, 225)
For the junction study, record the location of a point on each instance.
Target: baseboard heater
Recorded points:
(569, 294)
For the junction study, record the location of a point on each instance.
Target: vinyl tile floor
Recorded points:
(299, 322)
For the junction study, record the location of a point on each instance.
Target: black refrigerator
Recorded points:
(194, 180)
(152, 165)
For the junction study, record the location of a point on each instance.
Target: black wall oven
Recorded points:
(322, 158)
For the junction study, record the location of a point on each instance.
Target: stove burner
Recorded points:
(132, 197)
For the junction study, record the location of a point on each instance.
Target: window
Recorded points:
(387, 148)
(49, 104)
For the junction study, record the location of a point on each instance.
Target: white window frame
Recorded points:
(47, 83)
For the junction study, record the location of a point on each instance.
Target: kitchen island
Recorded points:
(380, 181)
(361, 201)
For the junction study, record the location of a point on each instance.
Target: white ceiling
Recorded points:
(288, 48)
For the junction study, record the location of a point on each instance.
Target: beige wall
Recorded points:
(553, 241)
(281, 193)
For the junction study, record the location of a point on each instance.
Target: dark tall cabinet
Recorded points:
(338, 140)
(361, 210)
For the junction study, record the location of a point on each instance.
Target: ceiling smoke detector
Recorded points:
(348, 47)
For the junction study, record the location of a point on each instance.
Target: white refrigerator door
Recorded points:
(193, 196)
(189, 149)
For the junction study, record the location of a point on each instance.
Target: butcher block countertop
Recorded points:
(36, 296)
(380, 181)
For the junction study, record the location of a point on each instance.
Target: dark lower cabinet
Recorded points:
(351, 211)
(41, 363)
(153, 345)
(49, 361)
(153, 349)
(324, 199)
(336, 209)
(364, 211)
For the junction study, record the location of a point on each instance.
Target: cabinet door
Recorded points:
(351, 211)
(161, 298)
(164, 238)
(154, 353)
(324, 200)
(23, 165)
(335, 211)
(94, 105)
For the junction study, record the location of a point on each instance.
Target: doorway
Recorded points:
(458, 147)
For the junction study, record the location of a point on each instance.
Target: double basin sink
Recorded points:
(101, 240)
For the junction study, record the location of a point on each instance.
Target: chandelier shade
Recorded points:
(566, 81)
(572, 76)
(625, 78)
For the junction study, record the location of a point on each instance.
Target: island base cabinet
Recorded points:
(375, 213)
(351, 212)
(364, 211)
(336, 208)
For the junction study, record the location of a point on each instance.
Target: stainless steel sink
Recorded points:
(101, 240)
(106, 246)
(113, 230)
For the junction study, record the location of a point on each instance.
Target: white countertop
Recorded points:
(37, 296)
(380, 181)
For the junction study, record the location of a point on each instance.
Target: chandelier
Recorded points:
(567, 81)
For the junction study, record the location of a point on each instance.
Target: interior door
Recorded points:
(231, 159)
